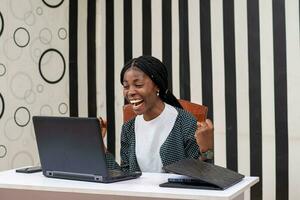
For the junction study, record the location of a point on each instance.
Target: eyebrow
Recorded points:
(135, 80)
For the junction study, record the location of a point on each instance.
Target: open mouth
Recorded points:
(136, 102)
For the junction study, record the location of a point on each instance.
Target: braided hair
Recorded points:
(157, 72)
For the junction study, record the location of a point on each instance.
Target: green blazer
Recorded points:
(180, 144)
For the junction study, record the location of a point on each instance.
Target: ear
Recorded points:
(156, 87)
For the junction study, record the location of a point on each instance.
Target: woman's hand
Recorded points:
(205, 135)
(103, 125)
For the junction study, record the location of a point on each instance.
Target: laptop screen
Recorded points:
(70, 144)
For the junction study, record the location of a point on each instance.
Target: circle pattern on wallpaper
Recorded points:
(29, 18)
(39, 88)
(11, 50)
(3, 151)
(30, 96)
(46, 110)
(62, 33)
(22, 158)
(2, 105)
(39, 10)
(21, 37)
(63, 108)
(10, 125)
(20, 84)
(36, 49)
(53, 3)
(1, 24)
(2, 69)
(22, 116)
(21, 11)
(53, 71)
(45, 35)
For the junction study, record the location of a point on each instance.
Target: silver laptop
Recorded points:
(72, 148)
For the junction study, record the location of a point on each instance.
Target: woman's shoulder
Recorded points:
(127, 130)
(186, 123)
(184, 114)
(129, 124)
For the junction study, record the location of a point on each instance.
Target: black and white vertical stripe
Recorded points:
(110, 83)
(254, 95)
(230, 84)
(127, 16)
(206, 56)
(239, 57)
(167, 38)
(280, 99)
(73, 62)
(91, 57)
(184, 62)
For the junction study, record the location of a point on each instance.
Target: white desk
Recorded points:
(18, 186)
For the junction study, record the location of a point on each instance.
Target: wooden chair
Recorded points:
(199, 111)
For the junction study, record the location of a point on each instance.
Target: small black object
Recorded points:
(185, 180)
(201, 175)
(29, 170)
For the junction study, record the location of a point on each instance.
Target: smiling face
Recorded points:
(141, 92)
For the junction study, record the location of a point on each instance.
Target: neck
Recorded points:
(155, 111)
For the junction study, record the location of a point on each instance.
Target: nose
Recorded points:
(131, 92)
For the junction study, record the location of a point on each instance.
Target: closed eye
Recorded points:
(139, 85)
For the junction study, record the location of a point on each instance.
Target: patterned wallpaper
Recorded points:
(33, 73)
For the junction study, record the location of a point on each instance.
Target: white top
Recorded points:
(144, 187)
(150, 135)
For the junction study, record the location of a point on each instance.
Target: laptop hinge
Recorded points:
(72, 175)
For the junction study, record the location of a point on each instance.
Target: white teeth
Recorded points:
(136, 101)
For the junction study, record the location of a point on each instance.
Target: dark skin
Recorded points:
(204, 135)
(141, 92)
(137, 86)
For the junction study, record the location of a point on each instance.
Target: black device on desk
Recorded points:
(200, 175)
(72, 148)
(29, 170)
(188, 182)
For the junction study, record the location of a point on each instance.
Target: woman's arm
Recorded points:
(188, 128)
(110, 159)
(199, 137)
(124, 151)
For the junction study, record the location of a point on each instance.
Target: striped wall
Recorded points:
(241, 58)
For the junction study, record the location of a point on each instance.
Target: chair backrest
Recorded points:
(199, 111)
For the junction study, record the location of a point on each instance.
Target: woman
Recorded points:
(162, 132)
